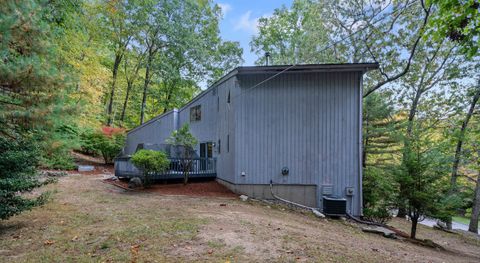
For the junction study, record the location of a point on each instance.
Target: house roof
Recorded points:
(363, 67)
(340, 67)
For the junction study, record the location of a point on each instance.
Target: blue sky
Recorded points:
(239, 21)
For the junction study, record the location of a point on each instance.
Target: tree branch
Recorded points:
(409, 62)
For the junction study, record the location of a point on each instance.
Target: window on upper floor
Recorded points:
(196, 113)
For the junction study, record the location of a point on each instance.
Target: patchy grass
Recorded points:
(462, 220)
(88, 221)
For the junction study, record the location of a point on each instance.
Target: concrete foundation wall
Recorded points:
(302, 194)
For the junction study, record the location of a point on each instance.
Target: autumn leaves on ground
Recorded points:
(91, 221)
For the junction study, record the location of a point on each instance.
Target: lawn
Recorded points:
(461, 219)
(90, 221)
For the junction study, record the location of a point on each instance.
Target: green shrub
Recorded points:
(87, 143)
(378, 194)
(150, 162)
(56, 147)
(185, 142)
(107, 146)
(18, 161)
(58, 159)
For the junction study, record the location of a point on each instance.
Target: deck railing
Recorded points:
(199, 167)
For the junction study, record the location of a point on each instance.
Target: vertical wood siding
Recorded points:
(307, 122)
(154, 132)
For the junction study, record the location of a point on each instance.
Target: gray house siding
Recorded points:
(308, 122)
(205, 129)
(226, 130)
(155, 130)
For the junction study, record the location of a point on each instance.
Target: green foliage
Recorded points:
(150, 162)
(424, 181)
(459, 20)
(59, 159)
(107, 146)
(88, 141)
(185, 142)
(56, 146)
(29, 76)
(379, 194)
(293, 35)
(381, 142)
(18, 160)
(183, 137)
(175, 44)
(381, 148)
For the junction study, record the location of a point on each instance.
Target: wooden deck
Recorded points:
(200, 168)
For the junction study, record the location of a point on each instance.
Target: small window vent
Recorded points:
(327, 189)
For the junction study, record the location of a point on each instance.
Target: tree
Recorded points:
(461, 135)
(346, 31)
(149, 162)
(422, 90)
(185, 143)
(131, 72)
(181, 41)
(422, 175)
(18, 160)
(381, 149)
(107, 146)
(30, 81)
(120, 22)
(83, 51)
(473, 225)
(459, 21)
(293, 35)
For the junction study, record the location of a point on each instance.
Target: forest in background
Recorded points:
(72, 67)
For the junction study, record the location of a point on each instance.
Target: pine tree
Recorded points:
(380, 151)
(31, 88)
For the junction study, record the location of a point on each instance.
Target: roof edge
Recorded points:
(363, 67)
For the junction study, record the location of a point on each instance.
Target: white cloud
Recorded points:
(246, 23)
(225, 8)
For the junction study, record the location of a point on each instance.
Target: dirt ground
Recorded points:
(196, 188)
(91, 221)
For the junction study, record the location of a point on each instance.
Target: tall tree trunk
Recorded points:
(145, 85)
(116, 64)
(413, 229)
(458, 150)
(124, 108)
(473, 226)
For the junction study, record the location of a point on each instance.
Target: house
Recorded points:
(299, 127)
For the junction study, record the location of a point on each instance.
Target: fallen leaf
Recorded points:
(75, 238)
(210, 251)
(223, 204)
(48, 242)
